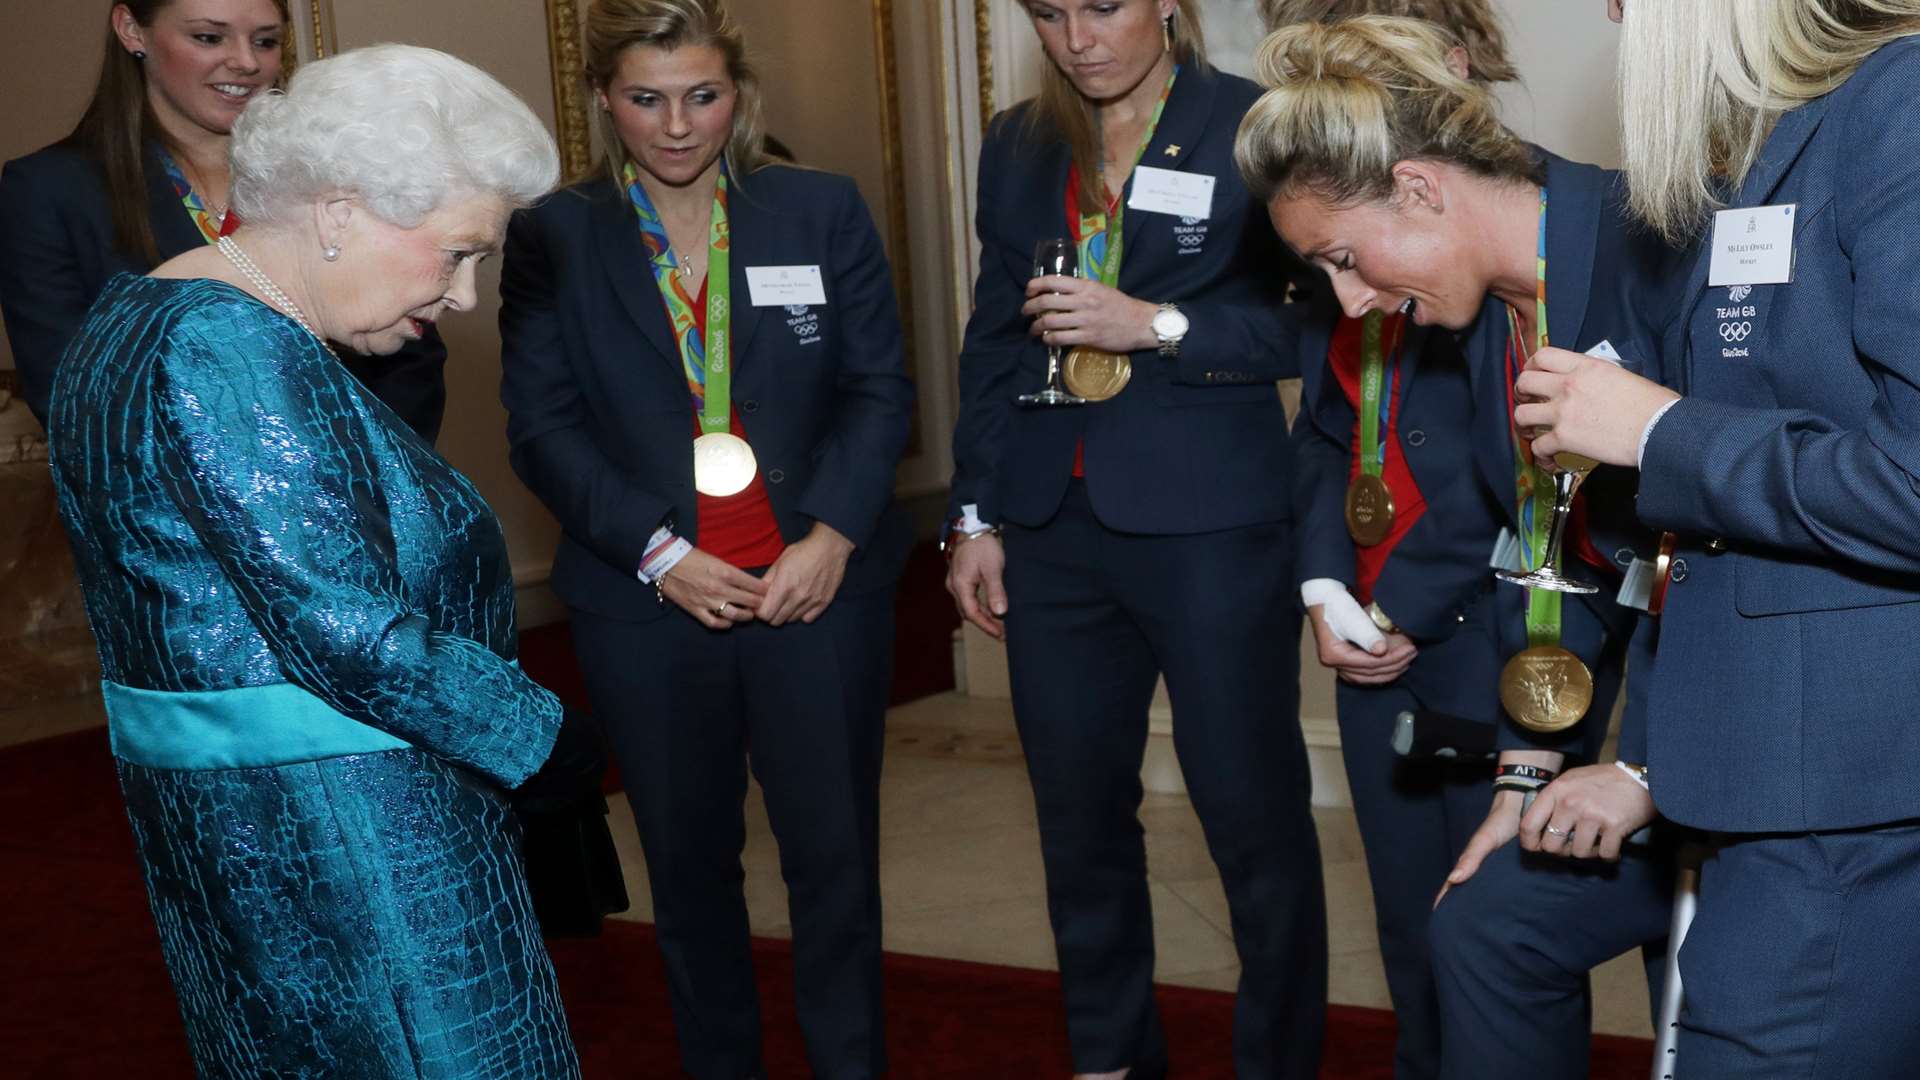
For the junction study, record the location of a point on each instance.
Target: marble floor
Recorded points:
(960, 872)
(960, 863)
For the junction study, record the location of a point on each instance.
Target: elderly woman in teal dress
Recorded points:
(304, 615)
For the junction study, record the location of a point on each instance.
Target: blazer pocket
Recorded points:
(1225, 394)
(1764, 586)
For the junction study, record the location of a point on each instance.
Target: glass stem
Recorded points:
(1565, 483)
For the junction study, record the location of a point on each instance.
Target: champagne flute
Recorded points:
(1570, 472)
(1059, 257)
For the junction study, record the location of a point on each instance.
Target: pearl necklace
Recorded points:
(251, 270)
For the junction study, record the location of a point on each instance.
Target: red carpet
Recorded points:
(86, 996)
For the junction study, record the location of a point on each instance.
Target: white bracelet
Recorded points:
(1640, 454)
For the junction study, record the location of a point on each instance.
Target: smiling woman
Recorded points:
(144, 177)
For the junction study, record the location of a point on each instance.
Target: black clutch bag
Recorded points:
(573, 869)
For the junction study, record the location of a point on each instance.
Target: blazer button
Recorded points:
(775, 476)
(749, 405)
(1678, 571)
(1624, 556)
(1716, 545)
(1416, 437)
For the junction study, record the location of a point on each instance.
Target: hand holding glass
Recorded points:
(1054, 257)
(1571, 471)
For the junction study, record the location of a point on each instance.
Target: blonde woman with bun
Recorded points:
(1385, 164)
(1777, 140)
(1416, 812)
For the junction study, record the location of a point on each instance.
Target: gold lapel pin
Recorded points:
(1173, 149)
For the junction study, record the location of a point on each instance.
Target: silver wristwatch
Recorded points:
(1170, 325)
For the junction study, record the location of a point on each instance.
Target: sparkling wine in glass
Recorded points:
(1057, 256)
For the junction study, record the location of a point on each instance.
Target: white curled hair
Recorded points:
(406, 130)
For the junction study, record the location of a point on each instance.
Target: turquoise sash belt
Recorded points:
(245, 728)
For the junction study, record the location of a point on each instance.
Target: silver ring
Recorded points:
(721, 611)
(1564, 834)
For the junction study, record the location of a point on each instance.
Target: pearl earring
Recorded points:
(330, 254)
(139, 54)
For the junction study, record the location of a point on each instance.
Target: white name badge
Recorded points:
(1606, 351)
(1164, 191)
(1753, 246)
(779, 286)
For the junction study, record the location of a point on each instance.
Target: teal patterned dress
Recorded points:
(305, 621)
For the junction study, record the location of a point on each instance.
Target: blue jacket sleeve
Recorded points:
(990, 354)
(1793, 481)
(1247, 327)
(854, 479)
(43, 291)
(551, 446)
(305, 542)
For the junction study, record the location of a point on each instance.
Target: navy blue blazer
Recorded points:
(57, 253)
(1608, 279)
(1437, 576)
(1194, 444)
(599, 415)
(1785, 676)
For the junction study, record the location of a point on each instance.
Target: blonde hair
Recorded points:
(614, 26)
(1472, 21)
(1348, 101)
(1702, 84)
(1061, 112)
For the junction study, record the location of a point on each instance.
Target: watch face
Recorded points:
(1169, 325)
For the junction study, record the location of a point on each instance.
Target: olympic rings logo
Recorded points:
(1188, 240)
(1735, 331)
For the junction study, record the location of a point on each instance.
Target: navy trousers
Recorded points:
(1801, 958)
(1094, 617)
(686, 709)
(1415, 818)
(1512, 949)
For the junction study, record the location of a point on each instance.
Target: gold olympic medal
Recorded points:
(723, 464)
(1096, 374)
(1546, 689)
(1369, 510)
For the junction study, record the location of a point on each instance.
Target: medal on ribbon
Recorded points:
(1369, 506)
(1545, 688)
(723, 463)
(1096, 374)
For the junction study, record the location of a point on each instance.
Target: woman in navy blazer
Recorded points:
(1445, 227)
(1146, 533)
(1787, 467)
(144, 178)
(718, 628)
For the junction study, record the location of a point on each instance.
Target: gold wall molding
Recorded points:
(983, 58)
(572, 125)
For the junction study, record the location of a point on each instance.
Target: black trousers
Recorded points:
(686, 710)
(1094, 617)
(1415, 818)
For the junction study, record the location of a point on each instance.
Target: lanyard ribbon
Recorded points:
(1376, 390)
(1100, 235)
(1534, 488)
(705, 357)
(211, 230)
